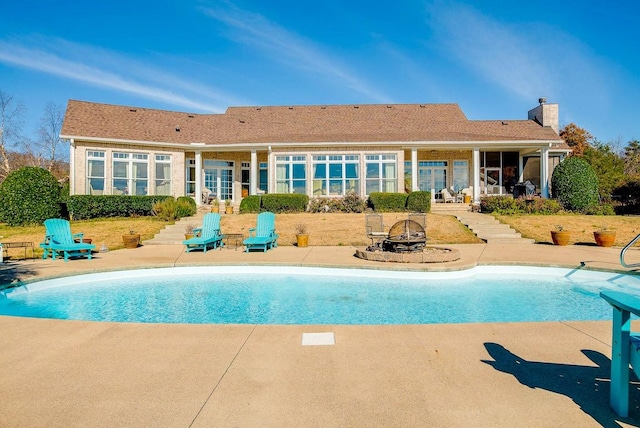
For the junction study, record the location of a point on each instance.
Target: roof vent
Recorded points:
(389, 106)
(290, 108)
(241, 121)
(133, 110)
(504, 123)
(356, 106)
(422, 106)
(259, 108)
(191, 116)
(177, 129)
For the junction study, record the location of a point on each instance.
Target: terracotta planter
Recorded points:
(604, 239)
(188, 236)
(302, 240)
(560, 237)
(215, 208)
(228, 210)
(131, 240)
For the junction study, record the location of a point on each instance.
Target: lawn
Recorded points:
(339, 228)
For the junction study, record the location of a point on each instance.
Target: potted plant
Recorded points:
(188, 231)
(604, 237)
(559, 236)
(302, 237)
(131, 240)
(215, 205)
(229, 206)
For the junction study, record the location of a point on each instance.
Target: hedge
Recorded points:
(29, 195)
(250, 204)
(387, 201)
(83, 207)
(284, 202)
(419, 201)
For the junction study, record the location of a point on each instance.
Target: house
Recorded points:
(323, 150)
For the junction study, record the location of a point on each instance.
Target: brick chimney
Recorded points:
(545, 114)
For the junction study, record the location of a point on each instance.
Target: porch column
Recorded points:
(199, 186)
(414, 169)
(476, 175)
(72, 167)
(253, 173)
(520, 168)
(544, 172)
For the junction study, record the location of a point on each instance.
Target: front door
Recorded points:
(218, 178)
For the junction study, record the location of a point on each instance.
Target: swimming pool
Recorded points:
(297, 295)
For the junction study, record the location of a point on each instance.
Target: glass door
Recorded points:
(432, 177)
(218, 178)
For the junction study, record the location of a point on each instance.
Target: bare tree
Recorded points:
(12, 114)
(49, 132)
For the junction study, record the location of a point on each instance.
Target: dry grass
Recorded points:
(581, 227)
(348, 229)
(339, 229)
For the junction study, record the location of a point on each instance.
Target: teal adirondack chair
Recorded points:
(263, 236)
(206, 236)
(59, 239)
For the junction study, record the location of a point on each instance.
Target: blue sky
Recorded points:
(494, 58)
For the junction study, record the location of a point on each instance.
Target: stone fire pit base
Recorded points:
(428, 255)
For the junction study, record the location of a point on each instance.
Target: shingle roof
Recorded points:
(296, 124)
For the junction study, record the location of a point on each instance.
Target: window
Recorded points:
(291, 174)
(460, 175)
(95, 172)
(163, 175)
(381, 173)
(263, 179)
(130, 173)
(190, 181)
(335, 175)
(246, 178)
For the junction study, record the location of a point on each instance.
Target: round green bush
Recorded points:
(419, 201)
(575, 184)
(29, 195)
(250, 204)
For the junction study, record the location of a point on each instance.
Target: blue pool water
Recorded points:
(292, 295)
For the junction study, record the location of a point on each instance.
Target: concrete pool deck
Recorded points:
(70, 373)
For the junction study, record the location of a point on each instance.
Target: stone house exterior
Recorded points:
(322, 151)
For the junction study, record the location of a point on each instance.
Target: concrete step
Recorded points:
(487, 228)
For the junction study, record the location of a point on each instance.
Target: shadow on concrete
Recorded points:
(587, 386)
(11, 273)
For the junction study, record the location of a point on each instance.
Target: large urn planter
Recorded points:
(560, 237)
(604, 238)
(131, 240)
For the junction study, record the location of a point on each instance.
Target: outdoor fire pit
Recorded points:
(405, 236)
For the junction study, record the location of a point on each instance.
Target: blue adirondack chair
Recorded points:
(59, 239)
(206, 236)
(263, 236)
(625, 349)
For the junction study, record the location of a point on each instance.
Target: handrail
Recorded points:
(624, 250)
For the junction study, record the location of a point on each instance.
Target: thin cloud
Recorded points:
(254, 30)
(92, 69)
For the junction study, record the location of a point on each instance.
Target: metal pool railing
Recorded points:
(624, 250)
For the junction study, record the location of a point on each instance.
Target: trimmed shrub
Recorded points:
(185, 206)
(419, 201)
(284, 202)
(388, 202)
(499, 205)
(539, 206)
(602, 209)
(83, 207)
(29, 195)
(250, 204)
(351, 203)
(574, 184)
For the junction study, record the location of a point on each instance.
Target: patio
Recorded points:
(69, 373)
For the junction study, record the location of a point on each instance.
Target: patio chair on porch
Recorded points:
(375, 228)
(446, 196)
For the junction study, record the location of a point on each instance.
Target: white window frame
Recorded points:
(132, 162)
(382, 183)
(338, 184)
(288, 164)
(93, 181)
(162, 185)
